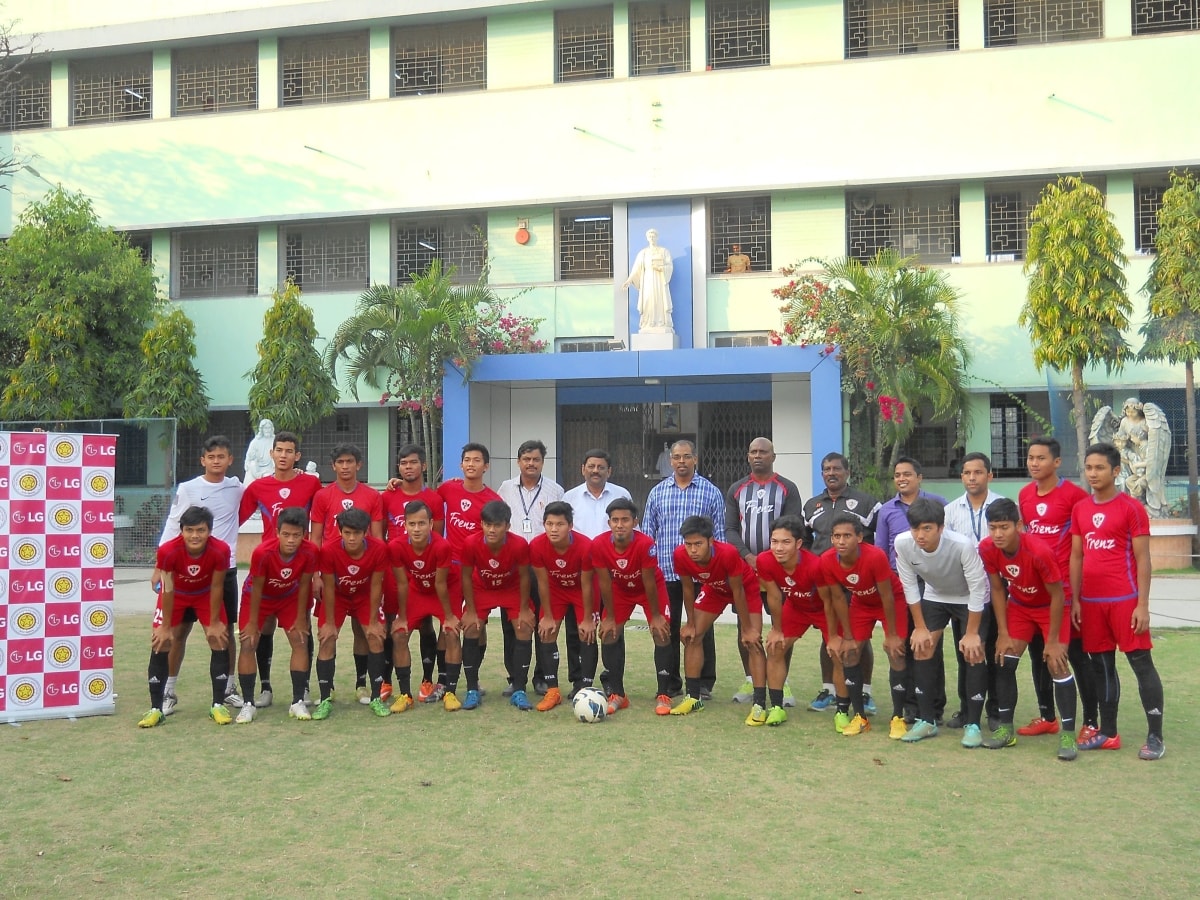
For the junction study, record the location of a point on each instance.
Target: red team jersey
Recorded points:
(1048, 519)
(352, 577)
(395, 501)
(496, 576)
(713, 592)
(1107, 531)
(1027, 572)
(564, 572)
(463, 509)
(422, 569)
(331, 501)
(799, 589)
(191, 578)
(268, 495)
(625, 570)
(282, 582)
(862, 582)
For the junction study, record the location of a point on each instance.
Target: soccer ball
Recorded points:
(590, 705)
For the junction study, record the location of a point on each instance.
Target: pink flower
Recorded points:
(870, 385)
(387, 395)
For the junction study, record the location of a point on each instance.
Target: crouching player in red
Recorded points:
(279, 586)
(352, 568)
(628, 575)
(192, 567)
(562, 564)
(862, 571)
(713, 575)
(496, 576)
(421, 558)
(1033, 603)
(789, 576)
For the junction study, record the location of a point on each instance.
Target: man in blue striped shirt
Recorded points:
(675, 498)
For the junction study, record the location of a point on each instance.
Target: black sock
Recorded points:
(760, 696)
(156, 678)
(522, 655)
(548, 656)
(976, 689)
(1150, 689)
(589, 656)
(451, 675)
(388, 655)
(262, 656)
(842, 703)
(854, 687)
(1085, 681)
(925, 672)
(375, 664)
(427, 671)
(693, 687)
(247, 684)
(614, 660)
(1064, 696)
(899, 690)
(312, 655)
(1006, 688)
(404, 679)
(1108, 686)
(299, 684)
(218, 671)
(1042, 685)
(776, 696)
(472, 657)
(662, 667)
(325, 670)
(430, 652)
(360, 669)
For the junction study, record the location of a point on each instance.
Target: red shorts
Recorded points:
(796, 621)
(421, 607)
(359, 608)
(1108, 626)
(283, 610)
(623, 609)
(717, 603)
(558, 608)
(863, 617)
(1026, 621)
(198, 606)
(486, 601)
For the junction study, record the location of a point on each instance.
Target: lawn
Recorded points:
(497, 802)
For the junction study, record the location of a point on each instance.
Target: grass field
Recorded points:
(496, 802)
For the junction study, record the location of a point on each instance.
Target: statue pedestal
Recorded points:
(1170, 544)
(652, 340)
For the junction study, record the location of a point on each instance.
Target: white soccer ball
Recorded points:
(590, 705)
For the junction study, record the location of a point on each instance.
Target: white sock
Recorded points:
(829, 687)
(866, 690)
(171, 679)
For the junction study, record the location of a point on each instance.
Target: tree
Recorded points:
(169, 385)
(1076, 306)
(77, 299)
(290, 386)
(895, 327)
(1172, 330)
(14, 58)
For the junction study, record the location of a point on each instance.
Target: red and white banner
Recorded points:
(56, 575)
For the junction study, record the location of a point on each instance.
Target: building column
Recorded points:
(268, 73)
(972, 222)
(381, 63)
(1118, 18)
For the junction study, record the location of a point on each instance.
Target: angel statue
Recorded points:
(1144, 439)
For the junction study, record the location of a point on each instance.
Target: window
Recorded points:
(587, 345)
(659, 37)
(1009, 433)
(741, 339)
(1011, 22)
(436, 59)
(113, 89)
(739, 33)
(215, 79)
(1008, 208)
(459, 243)
(893, 27)
(1158, 16)
(583, 44)
(745, 221)
(1148, 196)
(26, 103)
(585, 243)
(216, 262)
(143, 243)
(328, 257)
(327, 69)
(921, 222)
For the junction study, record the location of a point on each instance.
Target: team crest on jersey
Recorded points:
(851, 504)
(852, 578)
(760, 493)
(494, 563)
(284, 493)
(353, 570)
(704, 576)
(622, 563)
(1013, 571)
(465, 504)
(1041, 508)
(193, 570)
(561, 563)
(790, 582)
(1098, 519)
(347, 504)
(418, 563)
(285, 573)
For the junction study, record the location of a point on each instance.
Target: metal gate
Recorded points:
(625, 430)
(726, 430)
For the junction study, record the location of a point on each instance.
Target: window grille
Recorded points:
(215, 79)
(583, 44)
(741, 339)
(26, 103)
(326, 69)
(216, 262)
(894, 27)
(745, 221)
(921, 222)
(113, 89)
(1013, 22)
(659, 37)
(739, 33)
(1148, 194)
(328, 257)
(585, 243)
(460, 243)
(143, 243)
(1159, 16)
(436, 59)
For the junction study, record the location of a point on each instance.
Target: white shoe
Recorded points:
(364, 695)
(170, 701)
(265, 698)
(299, 711)
(245, 714)
(234, 699)
(307, 699)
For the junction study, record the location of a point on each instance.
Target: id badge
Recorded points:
(527, 526)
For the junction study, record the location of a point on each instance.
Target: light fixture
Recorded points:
(593, 218)
(653, 381)
(616, 345)
(427, 246)
(132, 93)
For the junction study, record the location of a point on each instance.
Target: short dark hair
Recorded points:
(413, 507)
(529, 446)
(292, 515)
(792, 524)
(845, 518)
(981, 457)
(836, 457)
(701, 525)
(1106, 450)
(409, 450)
(1003, 510)
(353, 519)
(196, 515)
(560, 508)
(598, 453)
(495, 512)
(621, 503)
(476, 447)
(286, 437)
(345, 450)
(216, 442)
(691, 445)
(912, 462)
(924, 511)
(1049, 443)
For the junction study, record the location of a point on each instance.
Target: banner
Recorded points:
(56, 575)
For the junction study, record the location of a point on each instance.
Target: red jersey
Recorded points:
(282, 575)
(463, 509)
(192, 576)
(268, 495)
(712, 578)
(352, 577)
(798, 588)
(564, 571)
(331, 501)
(497, 574)
(1048, 518)
(422, 567)
(1107, 531)
(1026, 572)
(395, 501)
(863, 578)
(625, 566)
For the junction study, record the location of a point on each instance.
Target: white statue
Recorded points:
(651, 275)
(258, 452)
(1144, 439)
(311, 468)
